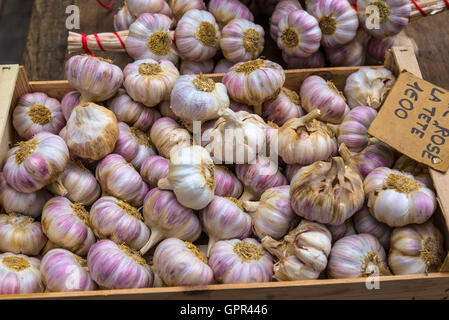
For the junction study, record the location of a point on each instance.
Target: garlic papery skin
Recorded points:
(197, 35)
(150, 38)
(224, 219)
(29, 204)
(33, 164)
(153, 169)
(138, 7)
(226, 10)
(397, 198)
(198, 98)
(37, 112)
(327, 192)
(63, 271)
(364, 222)
(21, 234)
(254, 82)
(123, 19)
(351, 54)
(306, 140)
(69, 102)
(126, 267)
(223, 66)
(368, 87)
(132, 113)
(180, 263)
(150, 82)
(355, 256)
(240, 261)
(77, 184)
(282, 9)
(191, 177)
(180, 7)
(389, 19)
(226, 183)
(168, 136)
(282, 108)
(242, 40)
(377, 48)
(166, 111)
(317, 93)
(316, 60)
(97, 79)
(291, 170)
(118, 178)
(194, 67)
(343, 230)
(418, 170)
(353, 131)
(66, 224)
(273, 214)
(19, 274)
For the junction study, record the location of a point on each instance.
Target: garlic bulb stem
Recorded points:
(210, 244)
(315, 113)
(247, 195)
(155, 237)
(58, 188)
(164, 184)
(250, 206)
(334, 127)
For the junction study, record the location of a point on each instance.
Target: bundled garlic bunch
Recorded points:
(123, 19)
(194, 67)
(282, 108)
(19, 274)
(180, 7)
(153, 169)
(416, 169)
(137, 7)
(168, 136)
(364, 222)
(343, 230)
(69, 102)
(227, 10)
(316, 60)
(226, 183)
(282, 9)
(223, 66)
(377, 48)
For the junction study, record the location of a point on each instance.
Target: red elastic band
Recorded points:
(447, 4)
(355, 7)
(85, 48)
(111, 3)
(423, 13)
(99, 42)
(120, 39)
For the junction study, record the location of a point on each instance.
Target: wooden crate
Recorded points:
(14, 83)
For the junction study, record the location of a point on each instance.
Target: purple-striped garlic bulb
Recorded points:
(291, 170)
(317, 93)
(272, 142)
(123, 19)
(150, 82)
(137, 7)
(383, 18)
(226, 10)
(167, 218)
(416, 169)
(168, 136)
(359, 255)
(181, 263)
(166, 111)
(223, 66)
(197, 67)
(118, 221)
(353, 131)
(197, 35)
(131, 112)
(97, 79)
(237, 106)
(29, 204)
(180, 7)
(282, 9)
(118, 178)
(37, 112)
(254, 82)
(21, 234)
(150, 38)
(273, 215)
(63, 271)
(329, 192)
(242, 40)
(350, 54)
(364, 222)
(397, 198)
(126, 269)
(226, 183)
(69, 102)
(224, 219)
(282, 108)
(153, 169)
(35, 163)
(306, 140)
(416, 249)
(240, 261)
(343, 230)
(77, 183)
(66, 224)
(316, 60)
(377, 48)
(191, 177)
(19, 274)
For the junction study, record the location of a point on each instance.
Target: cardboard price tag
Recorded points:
(414, 120)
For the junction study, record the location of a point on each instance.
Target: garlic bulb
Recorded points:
(180, 7)
(66, 224)
(364, 222)
(29, 204)
(224, 219)
(191, 177)
(353, 131)
(69, 102)
(397, 198)
(33, 164)
(350, 54)
(291, 170)
(417, 248)
(37, 112)
(150, 82)
(19, 274)
(97, 79)
(166, 111)
(377, 48)
(327, 192)
(368, 87)
(150, 38)
(389, 18)
(317, 93)
(198, 98)
(236, 107)
(223, 66)
(153, 169)
(180, 263)
(197, 35)
(123, 19)
(343, 230)
(118, 178)
(272, 142)
(316, 60)
(242, 40)
(194, 67)
(126, 267)
(118, 221)
(306, 140)
(282, 108)
(63, 271)
(132, 113)
(355, 256)
(77, 184)
(416, 169)
(245, 261)
(254, 82)
(137, 7)
(273, 214)
(21, 234)
(168, 136)
(227, 10)
(226, 183)
(282, 9)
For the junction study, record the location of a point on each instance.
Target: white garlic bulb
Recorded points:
(19, 274)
